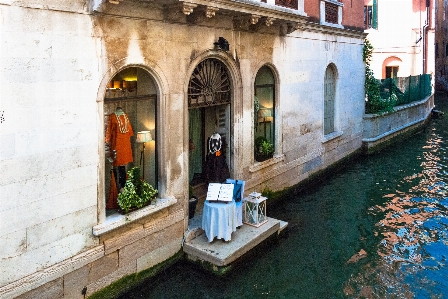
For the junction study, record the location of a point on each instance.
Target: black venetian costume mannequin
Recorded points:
(216, 168)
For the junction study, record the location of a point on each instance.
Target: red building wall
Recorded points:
(352, 12)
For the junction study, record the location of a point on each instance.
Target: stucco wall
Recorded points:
(48, 147)
(398, 37)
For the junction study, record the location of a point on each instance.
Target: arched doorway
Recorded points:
(209, 109)
(130, 129)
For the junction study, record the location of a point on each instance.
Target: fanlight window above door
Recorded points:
(209, 85)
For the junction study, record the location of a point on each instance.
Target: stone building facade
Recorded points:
(286, 72)
(441, 45)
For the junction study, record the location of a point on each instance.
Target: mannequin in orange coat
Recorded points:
(118, 133)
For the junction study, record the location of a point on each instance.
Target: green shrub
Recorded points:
(136, 192)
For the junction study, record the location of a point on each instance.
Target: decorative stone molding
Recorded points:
(254, 19)
(187, 8)
(269, 21)
(287, 28)
(210, 11)
(114, 1)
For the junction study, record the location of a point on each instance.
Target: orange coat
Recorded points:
(118, 135)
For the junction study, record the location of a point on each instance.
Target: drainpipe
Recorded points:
(425, 38)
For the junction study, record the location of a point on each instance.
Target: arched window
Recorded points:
(329, 100)
(264, 114)
(130, 107)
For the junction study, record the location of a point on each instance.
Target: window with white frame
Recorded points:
(331, 13)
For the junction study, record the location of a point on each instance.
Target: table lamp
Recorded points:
(142, 137)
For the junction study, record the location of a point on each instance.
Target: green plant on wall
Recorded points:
(136, 192)
(266, 148)
(263, 149)
(374, 103)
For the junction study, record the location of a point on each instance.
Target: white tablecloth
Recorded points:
(219, 220)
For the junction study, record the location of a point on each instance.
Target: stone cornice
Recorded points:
(253, 7)
(248, 12)
(315, 27)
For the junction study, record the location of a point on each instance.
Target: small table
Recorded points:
(219, 220)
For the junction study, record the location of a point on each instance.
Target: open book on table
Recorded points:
(220, 192)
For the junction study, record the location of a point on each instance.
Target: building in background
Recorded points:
(441, 45)
(289, 72)
(402, 34)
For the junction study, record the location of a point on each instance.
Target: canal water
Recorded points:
(376, 229)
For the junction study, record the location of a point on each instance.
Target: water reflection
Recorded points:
(377, 229)
(412, 226)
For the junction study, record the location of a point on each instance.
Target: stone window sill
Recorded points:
(332, 25)
(117, 220)
(260, 165)
(332, 136)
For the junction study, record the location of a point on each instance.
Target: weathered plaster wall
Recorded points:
(48, 147)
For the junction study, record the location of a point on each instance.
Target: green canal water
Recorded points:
(376, 229)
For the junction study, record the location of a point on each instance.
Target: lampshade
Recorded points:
(117, 84)
(143, 136)
(264, 112)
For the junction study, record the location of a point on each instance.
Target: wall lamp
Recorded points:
(222, 44)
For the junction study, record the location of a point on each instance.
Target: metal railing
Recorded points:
(406, 89)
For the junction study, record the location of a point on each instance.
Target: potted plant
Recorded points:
(263, 149)
(136, 192)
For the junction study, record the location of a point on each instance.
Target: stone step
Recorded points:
(219, 253)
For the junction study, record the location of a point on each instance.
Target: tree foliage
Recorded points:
(374, 103)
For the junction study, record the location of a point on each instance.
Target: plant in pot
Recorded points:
(136, 192)
(263, 149)
(192, 202)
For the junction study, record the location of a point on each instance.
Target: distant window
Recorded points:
(446, 50)
(371, 16)
(391, 71)
(368, 14)
(287, 3)
(331, 13)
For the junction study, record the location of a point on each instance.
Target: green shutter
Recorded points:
(375, 14)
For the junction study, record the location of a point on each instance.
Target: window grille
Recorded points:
(287, 3)
(209, 85)
(331, 13)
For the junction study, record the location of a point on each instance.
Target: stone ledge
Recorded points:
(39, 278)
(117, 220)
(260, 165)
(332, 136)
